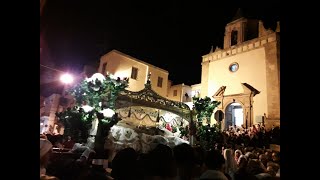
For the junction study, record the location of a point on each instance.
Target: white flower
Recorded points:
(112, 76)
(96, 88)
(98, 76)
(88, 79)
(107, 112)
(87, 108)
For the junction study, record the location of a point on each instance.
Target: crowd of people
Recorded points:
(242, 154)
(254, 136)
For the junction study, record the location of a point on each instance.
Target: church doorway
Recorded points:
(234, 115)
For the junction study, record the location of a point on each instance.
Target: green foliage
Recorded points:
(97, 94)
(184, 131)
(207, 136)
(174, 129)
(203, 109)
(75, 123)
(93, 92)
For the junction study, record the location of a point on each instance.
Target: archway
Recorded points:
(245, 99)
(234, 115)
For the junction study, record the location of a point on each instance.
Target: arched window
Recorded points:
(234, 37)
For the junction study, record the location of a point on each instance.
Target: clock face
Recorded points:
(234, 67)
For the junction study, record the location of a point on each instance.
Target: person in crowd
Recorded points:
(185, 160)
(230, 163)
(237, 155)
(124, 165)
(160, 163)
(69, 143)
(45, 152)
(214, 163)
(276, 157)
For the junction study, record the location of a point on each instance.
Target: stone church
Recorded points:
(245, 74)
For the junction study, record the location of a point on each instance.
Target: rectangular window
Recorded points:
(104, 69)
(134, 73)
(160, 79)
(175, 93)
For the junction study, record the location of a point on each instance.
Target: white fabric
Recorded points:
(94, 128)
(90, 142)
(126, 137)
(123, 134)
(87, 152)
(78, 147)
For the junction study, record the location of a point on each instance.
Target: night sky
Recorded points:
(172, 36)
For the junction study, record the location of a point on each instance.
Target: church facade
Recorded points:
(245, 74)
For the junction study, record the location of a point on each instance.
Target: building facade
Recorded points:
(245, 74)
(180, 92)
(122, 65)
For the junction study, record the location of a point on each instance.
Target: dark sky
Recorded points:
(172, 36)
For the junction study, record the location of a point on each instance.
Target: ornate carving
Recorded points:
(149, 95)
(149, 98)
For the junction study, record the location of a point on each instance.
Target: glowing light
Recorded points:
(66, 78)
(41, 124)
(107, 112)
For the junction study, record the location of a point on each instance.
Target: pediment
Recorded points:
(248, 89)
(220, 91)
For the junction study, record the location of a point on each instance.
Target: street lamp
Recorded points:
(66, 79)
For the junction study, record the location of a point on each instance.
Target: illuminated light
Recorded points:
(41, 124)
(87, 108)
(66, 78)
(107, 112)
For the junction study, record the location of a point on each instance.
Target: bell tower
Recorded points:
(239, 30)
